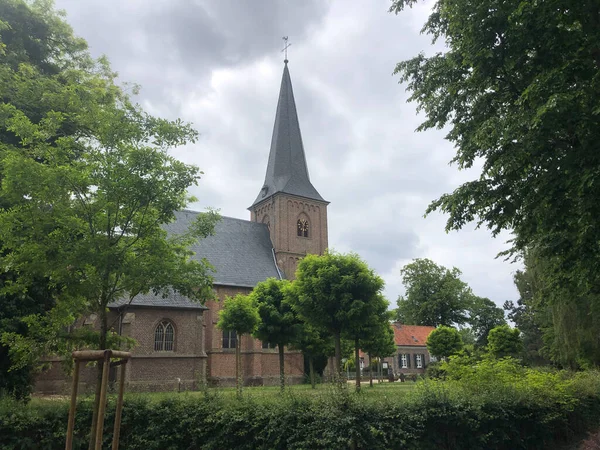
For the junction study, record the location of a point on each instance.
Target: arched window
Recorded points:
(229, 339)
(164, 337)
(303, 228)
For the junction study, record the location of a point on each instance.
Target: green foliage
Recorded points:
(338, 293)
(483, 316)
(444, 342)
(381, 343)
(527, 314)
(519, 91)
(239, 314)
(500, 407)
(505, 341)
(279, 324)
(87, 189)
(434, 296)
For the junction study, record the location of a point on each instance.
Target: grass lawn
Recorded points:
(379, 391)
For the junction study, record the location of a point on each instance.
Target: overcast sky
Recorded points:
(218, 65)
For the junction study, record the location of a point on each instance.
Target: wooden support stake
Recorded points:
(119, 407)
(102, 406)
(71, 423)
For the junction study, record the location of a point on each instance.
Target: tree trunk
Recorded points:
(380, 372)
(238, 366)
(370, 371)
(100, 367)
(281, 368)
(311, 369)
(337, 375)
(357, 365)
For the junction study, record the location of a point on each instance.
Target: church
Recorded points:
(178, 343)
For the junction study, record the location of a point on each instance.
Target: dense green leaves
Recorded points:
(483, 316)
(434, 295)
(505, 341)
(444, 342)
(279, 324)
(500, 407)
(341, 294)
(518, 90)
(87, 189)
(239, 314)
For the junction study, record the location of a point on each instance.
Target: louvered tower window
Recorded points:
(303, 228)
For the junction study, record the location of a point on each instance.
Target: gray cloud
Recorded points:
(218, 65)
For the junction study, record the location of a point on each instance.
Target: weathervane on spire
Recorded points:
(284, 49)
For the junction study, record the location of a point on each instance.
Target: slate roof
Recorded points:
(240, 252)
(411, 335)
(287, 171)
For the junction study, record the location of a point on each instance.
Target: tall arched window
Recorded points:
(303, 228)
(164, 337)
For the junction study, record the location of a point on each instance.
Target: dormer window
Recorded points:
(303, 228)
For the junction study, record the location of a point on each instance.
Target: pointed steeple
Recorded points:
(287, 171)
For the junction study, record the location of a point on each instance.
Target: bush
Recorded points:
(520, 409)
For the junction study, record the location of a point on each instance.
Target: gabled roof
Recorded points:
(240, 252)
(287, 171)
(411, 335)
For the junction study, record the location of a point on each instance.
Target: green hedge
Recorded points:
(436, 416)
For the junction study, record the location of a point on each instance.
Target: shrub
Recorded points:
(521, 408)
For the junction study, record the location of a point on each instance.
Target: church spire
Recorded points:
(287, 171)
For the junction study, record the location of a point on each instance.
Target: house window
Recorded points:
(404, 361)
(419, 361)
(164, 337)
(266, 345)
(303, 228)
(229, 339)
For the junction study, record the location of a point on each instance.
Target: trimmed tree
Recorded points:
(313, 343)
(444, 342)
(239, 314)
(279, 324)
(338, 293)
(379, 345)
(505, 341)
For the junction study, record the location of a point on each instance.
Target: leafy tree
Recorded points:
(483, 316)
(239, 314)
(518, 90)
(444, 342)
(315, 344)
(87, 188)
(560, 312)
(505, 341)
(527, 316)
(279, 324)
(434, 296)
(40, 60)
(338, 293)
(380, 344)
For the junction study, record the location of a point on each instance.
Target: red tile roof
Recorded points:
(413, 335)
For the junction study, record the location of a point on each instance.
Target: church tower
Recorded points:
(288, 203)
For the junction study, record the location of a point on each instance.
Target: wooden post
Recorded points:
(119, 408)
(102, 406)
(71, 424)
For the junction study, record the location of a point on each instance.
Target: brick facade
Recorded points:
(259, 366)
(282, 212)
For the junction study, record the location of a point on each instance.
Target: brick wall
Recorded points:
(259, 366)
(282, 212)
